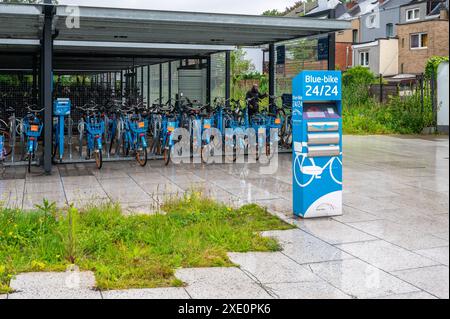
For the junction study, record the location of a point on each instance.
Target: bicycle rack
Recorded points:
(70, 135)
(12, 134)
(106, 135)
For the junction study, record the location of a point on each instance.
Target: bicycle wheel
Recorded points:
(6, 147)
(301, 163)
(142, 156)
(125, 147)
(30, 157)
(336, 180)
(167, 155)
(98, 158)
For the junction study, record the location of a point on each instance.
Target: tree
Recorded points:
(273, 12)
(240, 65)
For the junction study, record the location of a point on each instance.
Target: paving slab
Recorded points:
(161, 187)
(31, 200)
(332, 231)
(140, 208)
(79, 193)
(44, 187)
(220, 283)
(67, 285)
(386, 256)
(157, 293)
(402, 235)
(306, 290)
(359, 279)
(420, 295)
(305, 248)
(433, 280)
(272, 267)
(439, 254)
(354, 215)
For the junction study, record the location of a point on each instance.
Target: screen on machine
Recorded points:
(324, 111)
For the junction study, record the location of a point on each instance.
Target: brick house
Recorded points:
(422, 33)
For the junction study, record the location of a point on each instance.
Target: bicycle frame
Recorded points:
(95, 128)
(32, 130)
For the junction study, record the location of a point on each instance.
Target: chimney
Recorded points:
(351, 4)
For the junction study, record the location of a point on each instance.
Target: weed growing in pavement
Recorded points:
(138, 251)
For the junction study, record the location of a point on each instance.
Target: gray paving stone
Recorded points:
(67, 285)
(220, 283)
(272, 267)
(443, 235)
(332, 232)
(305, 248)
(359, 279)
(307, 290)
(439, 254)
(157, 293)
(399, 234)
(433, 280)
(411, 295)
(31, 200)
(354, 215)
(386, 256)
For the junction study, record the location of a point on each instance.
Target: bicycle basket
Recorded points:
(95, 128)
(139, 126)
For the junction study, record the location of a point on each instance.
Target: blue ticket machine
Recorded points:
(317, 144)
(61, 109)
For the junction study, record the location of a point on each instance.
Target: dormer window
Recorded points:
(412, 14)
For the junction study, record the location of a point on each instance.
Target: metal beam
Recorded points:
(271, 73)
(208, 80)
(228, 77)
(47, 79)
(160, 83)
(332, 44)
(170, 79)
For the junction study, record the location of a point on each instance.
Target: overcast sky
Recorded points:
(220, 6)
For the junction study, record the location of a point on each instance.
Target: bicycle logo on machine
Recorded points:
(308, 167)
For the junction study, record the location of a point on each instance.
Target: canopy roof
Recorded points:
(117, 36)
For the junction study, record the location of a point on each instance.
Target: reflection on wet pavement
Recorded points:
(392, 242)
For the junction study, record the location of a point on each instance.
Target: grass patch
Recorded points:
(131, 251)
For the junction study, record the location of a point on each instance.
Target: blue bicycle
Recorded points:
(32, 127)
(93, 125)
(135, 137)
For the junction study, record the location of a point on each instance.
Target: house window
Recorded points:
(389, 30)
(419, 41)
(364, 58)
(355, 36)
(412, 14)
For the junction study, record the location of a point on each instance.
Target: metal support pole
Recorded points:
(35, 80)
(160, 83)
(208, 80)
(121, 83)
(381, 88)
(170, 80)
(141, 87)
(422, 106)
(228, 77)
(271, 74)
(47, 76)
(433, 96)
(332, 45)
(148, 86)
